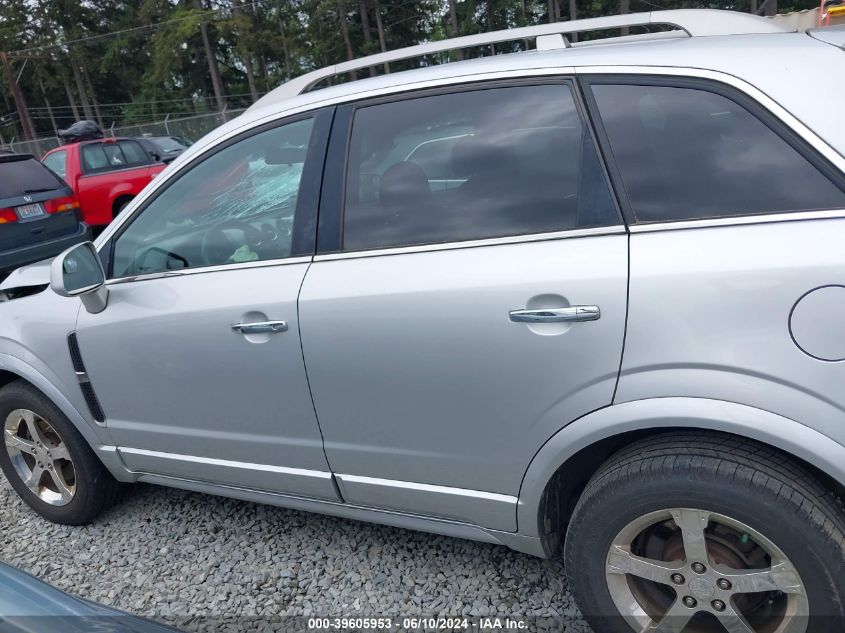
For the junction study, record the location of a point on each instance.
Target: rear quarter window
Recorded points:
(687, 153)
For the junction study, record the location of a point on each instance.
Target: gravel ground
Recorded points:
(191, 559)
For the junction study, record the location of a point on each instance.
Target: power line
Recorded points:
(132, 103)
(102, 36)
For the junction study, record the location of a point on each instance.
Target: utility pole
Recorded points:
(70, 98)
(365, 29)
(624, 7)
(453, 22)
(380, 27)
(49, 108)
(87, 78)
(344, 31)
(20, 101)
(246, 53)
(80, 87)
(211, 58)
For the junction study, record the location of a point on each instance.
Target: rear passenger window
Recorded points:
(133, 153)
(113, 155)
(472, 165)
(685, 154)
(94, 158)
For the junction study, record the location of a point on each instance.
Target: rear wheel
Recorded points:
(47, 461)
(120, 206)
(707, 533)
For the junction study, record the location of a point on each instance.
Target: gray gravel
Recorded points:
(184, 557)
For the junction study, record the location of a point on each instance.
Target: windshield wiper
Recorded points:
(39, 190)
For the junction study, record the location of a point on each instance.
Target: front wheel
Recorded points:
(47, 461)
(707, 533)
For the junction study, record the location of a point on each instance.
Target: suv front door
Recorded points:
(196, 360)
(431, 395)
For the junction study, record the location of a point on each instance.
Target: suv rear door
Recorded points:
(459, 208)
(737, 222)
(25, 186)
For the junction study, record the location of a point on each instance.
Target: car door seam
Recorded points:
(337, 489)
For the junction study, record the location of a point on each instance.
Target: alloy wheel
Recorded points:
(685, 569)
(40, 457)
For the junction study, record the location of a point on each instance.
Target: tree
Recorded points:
(243, 33)
(211, 58)
(18, 96)
(380, 27)
(453, 23)
(133, 61)
(365, 30)
(344, 31)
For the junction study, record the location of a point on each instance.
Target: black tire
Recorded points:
(749, 482)
(120, 207)
(95, 490)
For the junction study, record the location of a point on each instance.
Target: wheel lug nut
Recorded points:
(718, 605)
(724, 584)
(678, 579)
(698, 568)
(689, 601)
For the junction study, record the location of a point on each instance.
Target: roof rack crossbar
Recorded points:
(694, 22)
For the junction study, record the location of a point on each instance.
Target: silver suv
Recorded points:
(587, 299)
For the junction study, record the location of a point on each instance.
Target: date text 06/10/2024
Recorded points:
(418, 624)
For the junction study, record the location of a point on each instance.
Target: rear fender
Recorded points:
(693, 413)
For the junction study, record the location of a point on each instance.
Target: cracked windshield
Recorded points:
(236, 206)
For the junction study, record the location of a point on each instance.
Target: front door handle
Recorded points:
(556, 315)
(261, 327)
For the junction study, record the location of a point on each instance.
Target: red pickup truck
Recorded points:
(105, 174)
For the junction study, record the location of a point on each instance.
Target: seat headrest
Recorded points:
(474, 156)
(402, 183)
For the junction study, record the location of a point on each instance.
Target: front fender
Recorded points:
(97, 439)
(694, 413)
(26, 371)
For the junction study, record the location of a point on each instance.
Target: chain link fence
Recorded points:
(191, 128)
(37, 148)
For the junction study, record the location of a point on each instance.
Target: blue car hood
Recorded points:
(28, 605)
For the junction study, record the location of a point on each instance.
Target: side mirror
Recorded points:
(77, 272)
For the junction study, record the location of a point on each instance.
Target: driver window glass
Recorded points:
(237, 206)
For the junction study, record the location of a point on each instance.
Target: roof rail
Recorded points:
(694, 22)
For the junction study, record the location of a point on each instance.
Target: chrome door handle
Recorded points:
(556, 315)
(261, 327)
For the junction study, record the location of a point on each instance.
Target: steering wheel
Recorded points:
(217, 247)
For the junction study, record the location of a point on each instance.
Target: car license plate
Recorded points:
(30, 211)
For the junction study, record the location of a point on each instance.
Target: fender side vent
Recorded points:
(84, 382)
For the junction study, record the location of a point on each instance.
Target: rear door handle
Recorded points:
(261, 327)
(556, 315)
